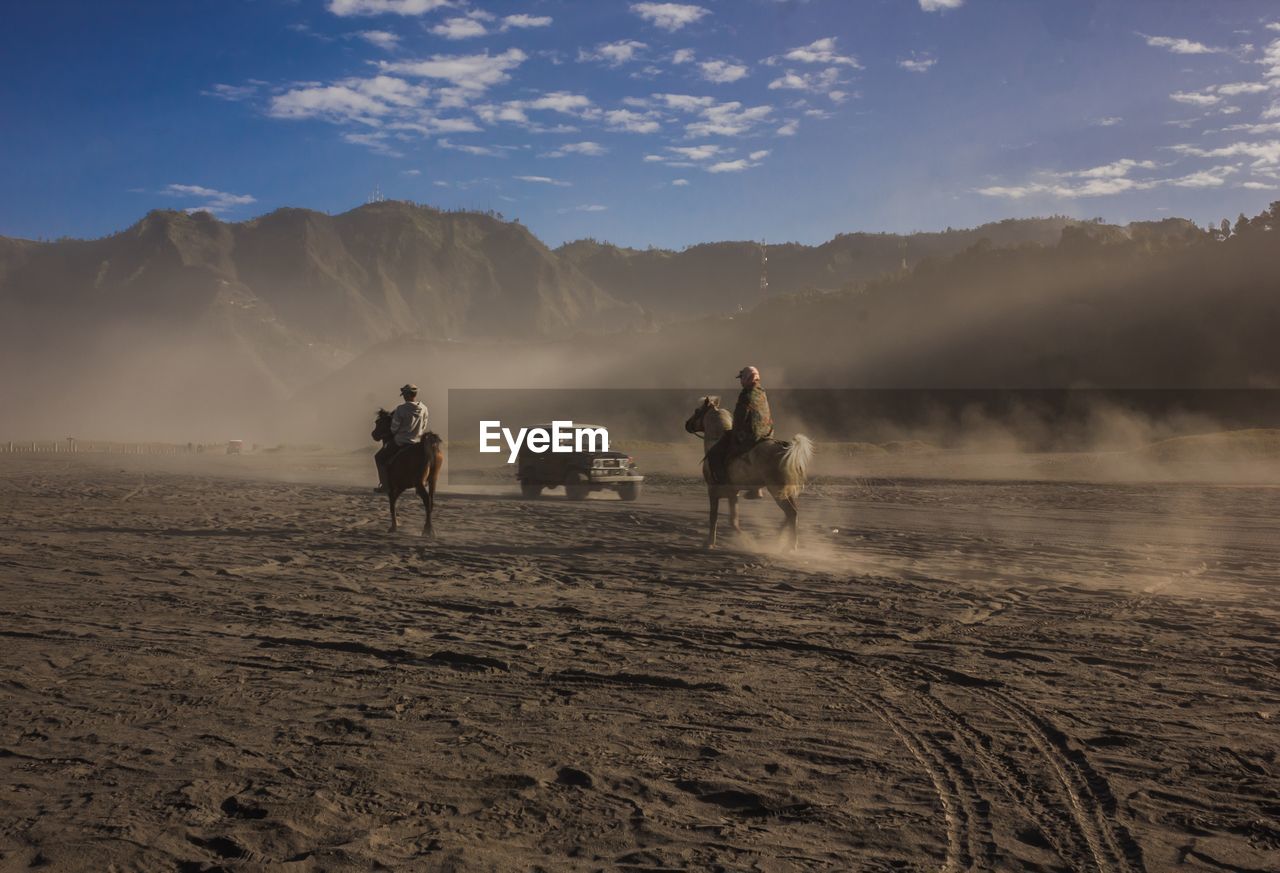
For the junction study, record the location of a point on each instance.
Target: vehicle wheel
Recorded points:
(530, 490)
(629, 490)
(576, 487)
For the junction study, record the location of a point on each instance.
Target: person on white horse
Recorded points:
(408, 425)
(740, 454)
(752, 423)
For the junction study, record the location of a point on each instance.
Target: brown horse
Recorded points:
(416, 467)
(780, 467)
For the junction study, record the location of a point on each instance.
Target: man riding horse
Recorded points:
(752, 423)
(408, 426)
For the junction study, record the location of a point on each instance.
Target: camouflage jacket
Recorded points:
(752, 420)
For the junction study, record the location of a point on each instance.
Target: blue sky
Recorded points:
(641, 123)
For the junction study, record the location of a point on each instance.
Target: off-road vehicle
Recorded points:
(579, 472)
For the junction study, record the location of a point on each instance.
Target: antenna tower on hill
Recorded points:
(764, 271)
(377, 195)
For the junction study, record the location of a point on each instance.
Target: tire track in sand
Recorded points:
(966, 813)
(1087, 794)
(1074, 811)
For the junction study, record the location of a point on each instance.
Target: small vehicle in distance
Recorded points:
(579, 472)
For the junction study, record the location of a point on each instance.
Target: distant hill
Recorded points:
(1153, 306)
(724, 277)
(348, 280)
(184, 326)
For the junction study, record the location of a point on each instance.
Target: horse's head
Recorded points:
(382, 426)
(698, 421)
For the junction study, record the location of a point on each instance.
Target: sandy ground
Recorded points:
(232, 666)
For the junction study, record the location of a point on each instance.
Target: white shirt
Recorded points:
(409, 422)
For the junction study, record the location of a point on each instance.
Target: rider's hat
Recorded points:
(409, 389)
(749, 371)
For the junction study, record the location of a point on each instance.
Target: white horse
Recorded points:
(777, 466)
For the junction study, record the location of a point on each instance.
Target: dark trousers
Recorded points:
(382, 460)
(718, 459)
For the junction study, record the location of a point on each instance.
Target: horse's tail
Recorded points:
(795, 461)
(431, 449)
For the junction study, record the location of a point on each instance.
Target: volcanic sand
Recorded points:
(205, 668)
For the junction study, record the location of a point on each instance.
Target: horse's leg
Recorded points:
(788, 507)
(714, 496)
(429, 482)
(393, 494)
(425, 496)
(793, 518)
(733, 511)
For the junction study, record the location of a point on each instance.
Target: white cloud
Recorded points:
(383, 39)
(722, 72)
(1213, 94)
(544, 180)
(1271, 59)
(791, 128)
(345, 8)
(819, 81)
(486, 151)
(669, 16)
(728, 119)
(586, 207)
(561, 101)
(525, 21)
(730, 166)
(340, 103)
(631, 122)
(1115, 169)
(1106, 180)
(821, 51)
(1264, 154)
(613, 53)
(1179, 46)
(511, 113)
(685, 102)
(1260, 128)
(469, 74)
(918, 63)
(679, 183)
(1260, 186)
(940, 5)
(515, 111)
(376, 142)
(1234, 88)
(1211, 178)
(697, 153)
(411, 172)
(588, 149)
(459, 28)
(682, 56)
(1093, 188)
(439, 125)
(214, 200)
(1109, 121)
(232, 93)
(1195, 98)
